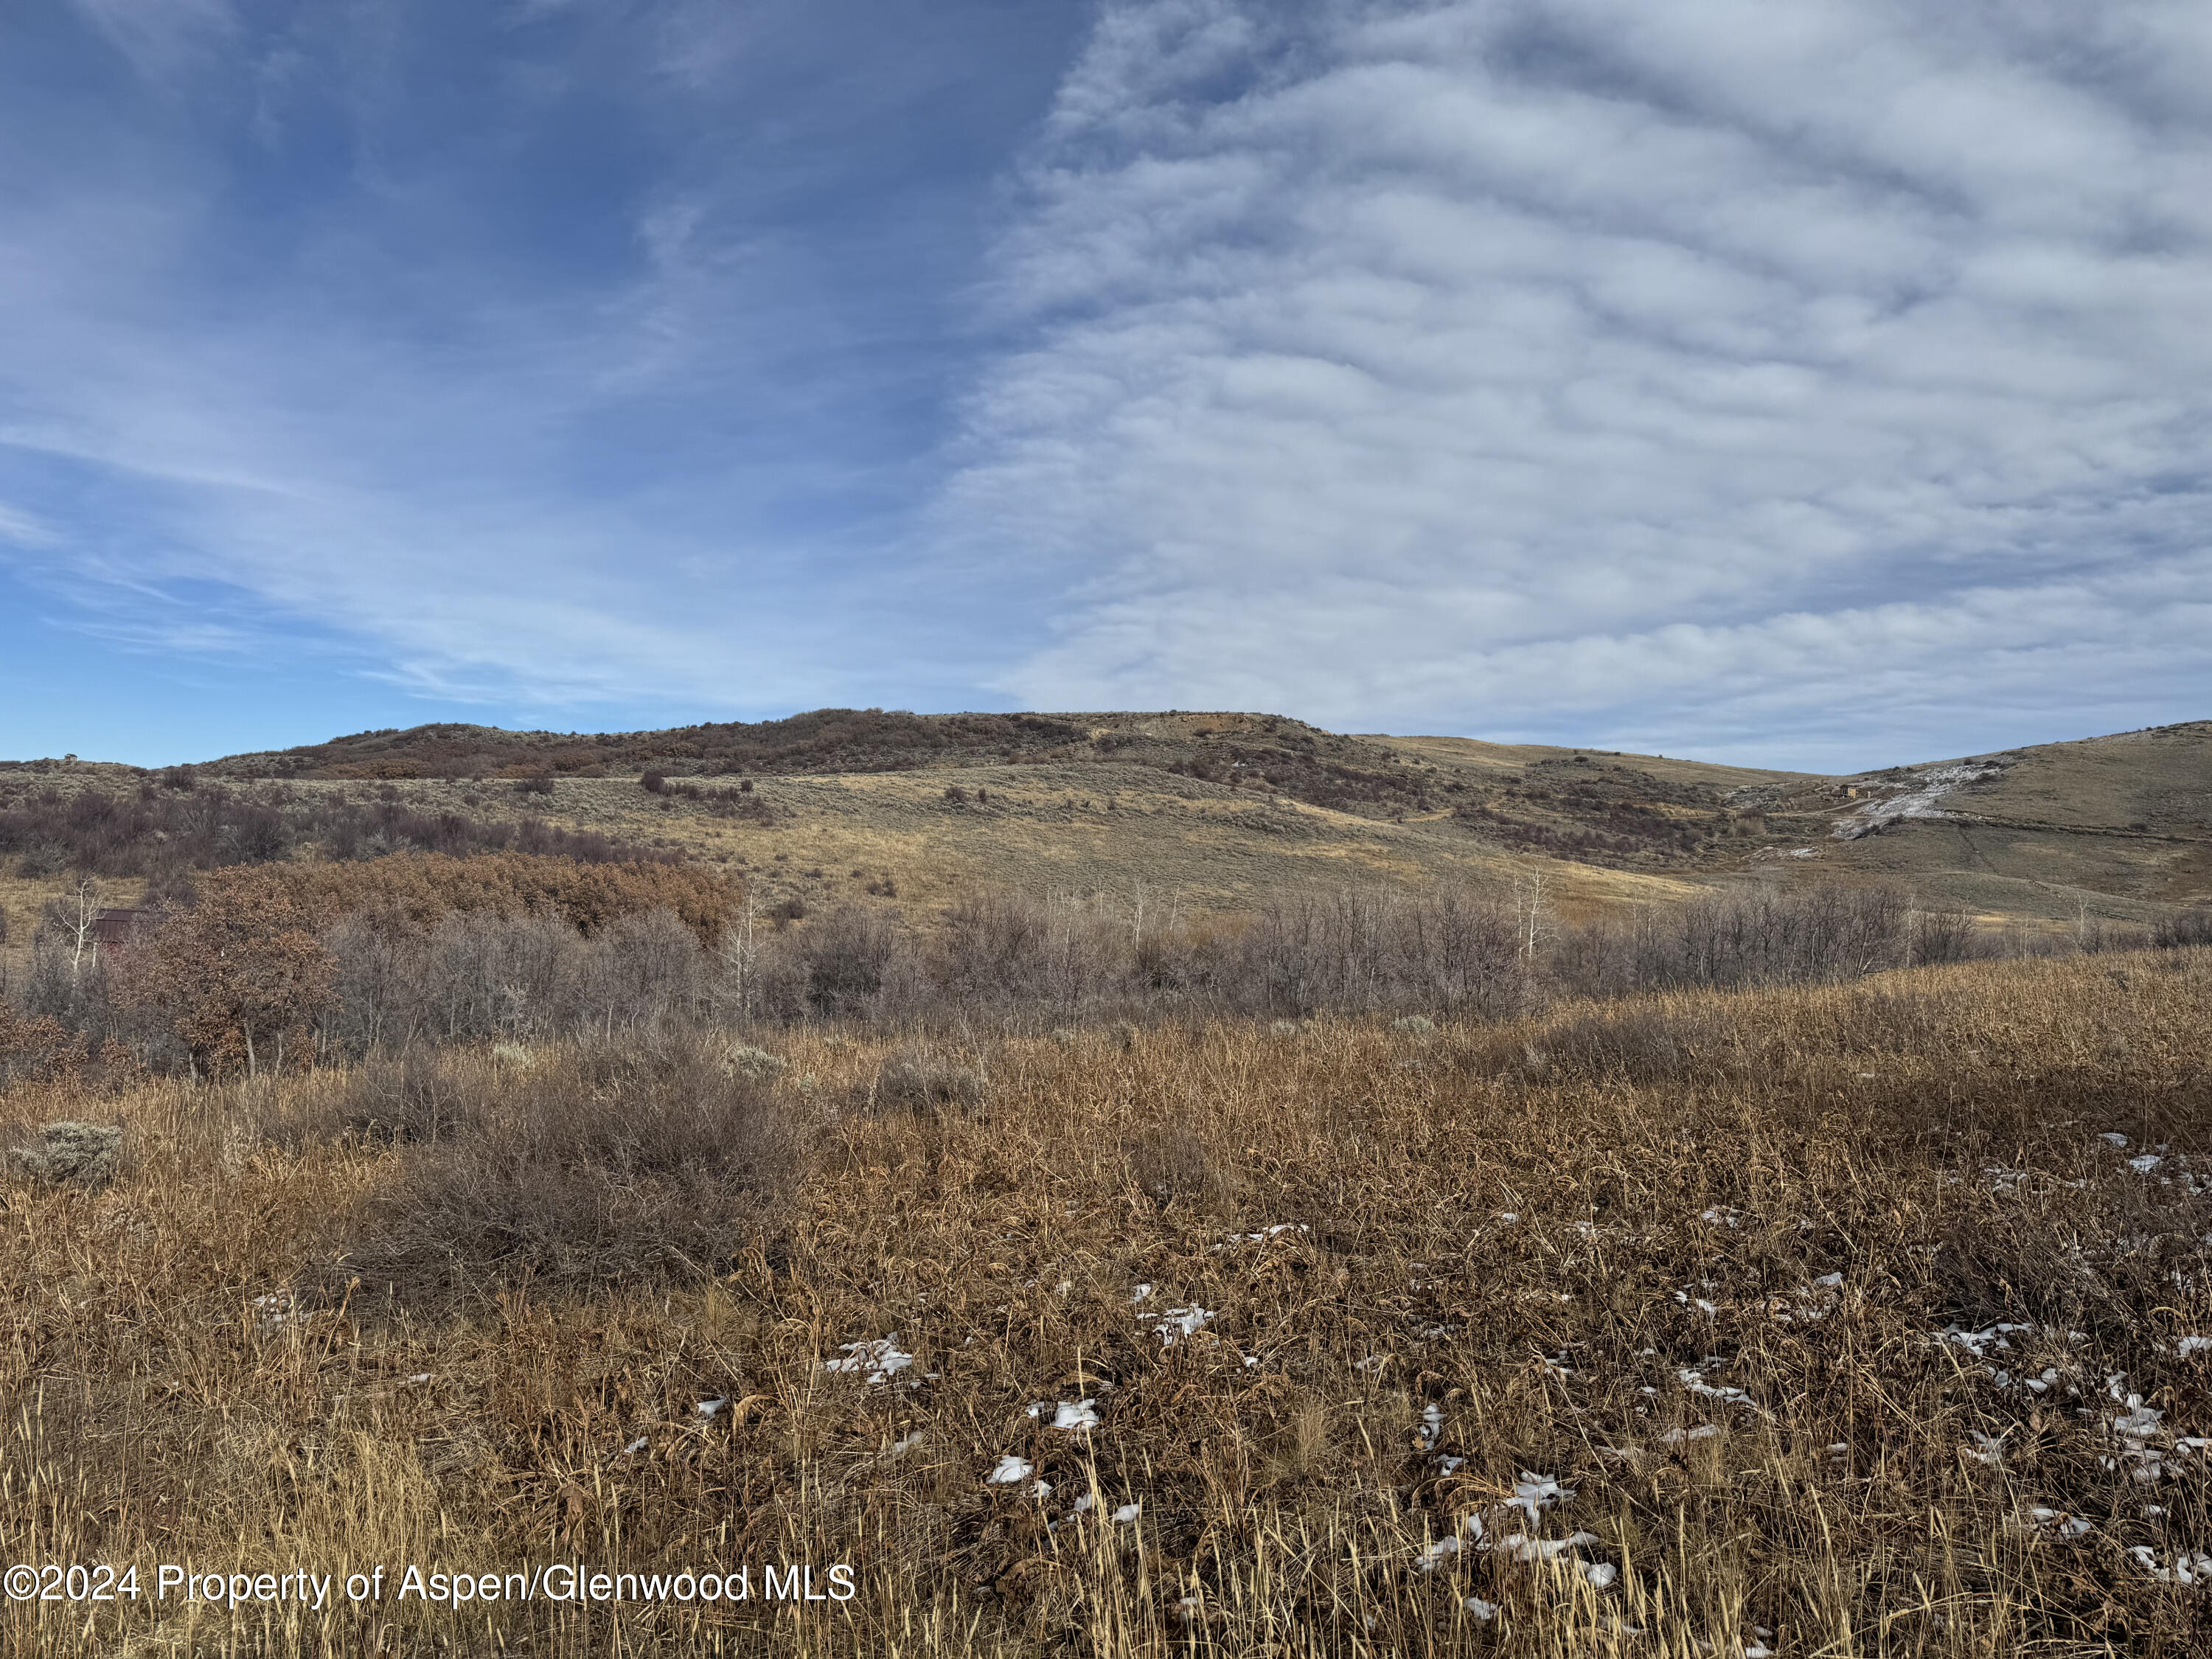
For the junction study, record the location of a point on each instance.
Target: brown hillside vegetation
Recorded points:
(920, 842)
(1266, 751)
(415, 891)
(1231, 804)
(1868, 1319)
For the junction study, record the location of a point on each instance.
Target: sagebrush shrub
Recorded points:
(617, 1164)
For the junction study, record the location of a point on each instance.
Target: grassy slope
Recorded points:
(1543, 1233)
(2118, 824)
(2046, 841)
(1097, 828)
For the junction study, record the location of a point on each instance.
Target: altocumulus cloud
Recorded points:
(1804, 379)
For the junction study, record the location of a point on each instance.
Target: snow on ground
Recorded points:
(1695, 1383)
(880, 1360)
(1928, 786)
(1178, 1322)
(1068, 1414)
(1484, 1532)
(2182, 1567)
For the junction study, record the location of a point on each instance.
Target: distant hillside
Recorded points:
(1263, 752)
(1214, 809)
(2114, 826)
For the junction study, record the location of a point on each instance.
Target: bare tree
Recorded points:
(737, 957)
(1533, 923)
(85, 912)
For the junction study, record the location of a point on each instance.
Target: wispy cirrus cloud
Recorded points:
(553, 358)
(1797, 380)
(161, 41)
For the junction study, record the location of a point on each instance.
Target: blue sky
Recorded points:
(1822, 385)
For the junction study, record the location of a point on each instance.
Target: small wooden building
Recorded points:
(121, 926)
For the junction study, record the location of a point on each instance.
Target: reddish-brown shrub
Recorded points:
(239, 975)
(414, 891)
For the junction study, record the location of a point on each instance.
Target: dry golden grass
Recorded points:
(1547, 1232)
(1194, 848)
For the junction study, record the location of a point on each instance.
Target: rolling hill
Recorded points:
(1211, 809)
(1207, 813)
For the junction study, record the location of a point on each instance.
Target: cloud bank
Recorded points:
(1688, 374)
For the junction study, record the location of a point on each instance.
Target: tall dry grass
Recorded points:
(1558, 1280)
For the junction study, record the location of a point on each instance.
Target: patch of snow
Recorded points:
(1182, 1323)
(1432, 1427)
(880, 1360)
(1930, 785)
(1521, 1547)
(707, 1408)
(1479, 1609)
(2189, 1344)
(1979, 1343)
(1696, 1383)
(636, 1445)
(1267, 1233)
(1127, 1513)
(2118, 1140)
(1537, 1492)
(1010, 1469)
(1987, 1448)
(2184, 1566)
(1676, 1436)
(2059, 1522)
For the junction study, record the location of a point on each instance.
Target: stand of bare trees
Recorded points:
(266, 970)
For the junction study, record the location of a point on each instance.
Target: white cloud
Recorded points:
(24, 529)
(162, 38)
(409, 372)
(1686, 365)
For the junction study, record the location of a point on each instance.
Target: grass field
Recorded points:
(1868, 1320)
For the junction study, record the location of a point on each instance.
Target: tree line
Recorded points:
(276, 963)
